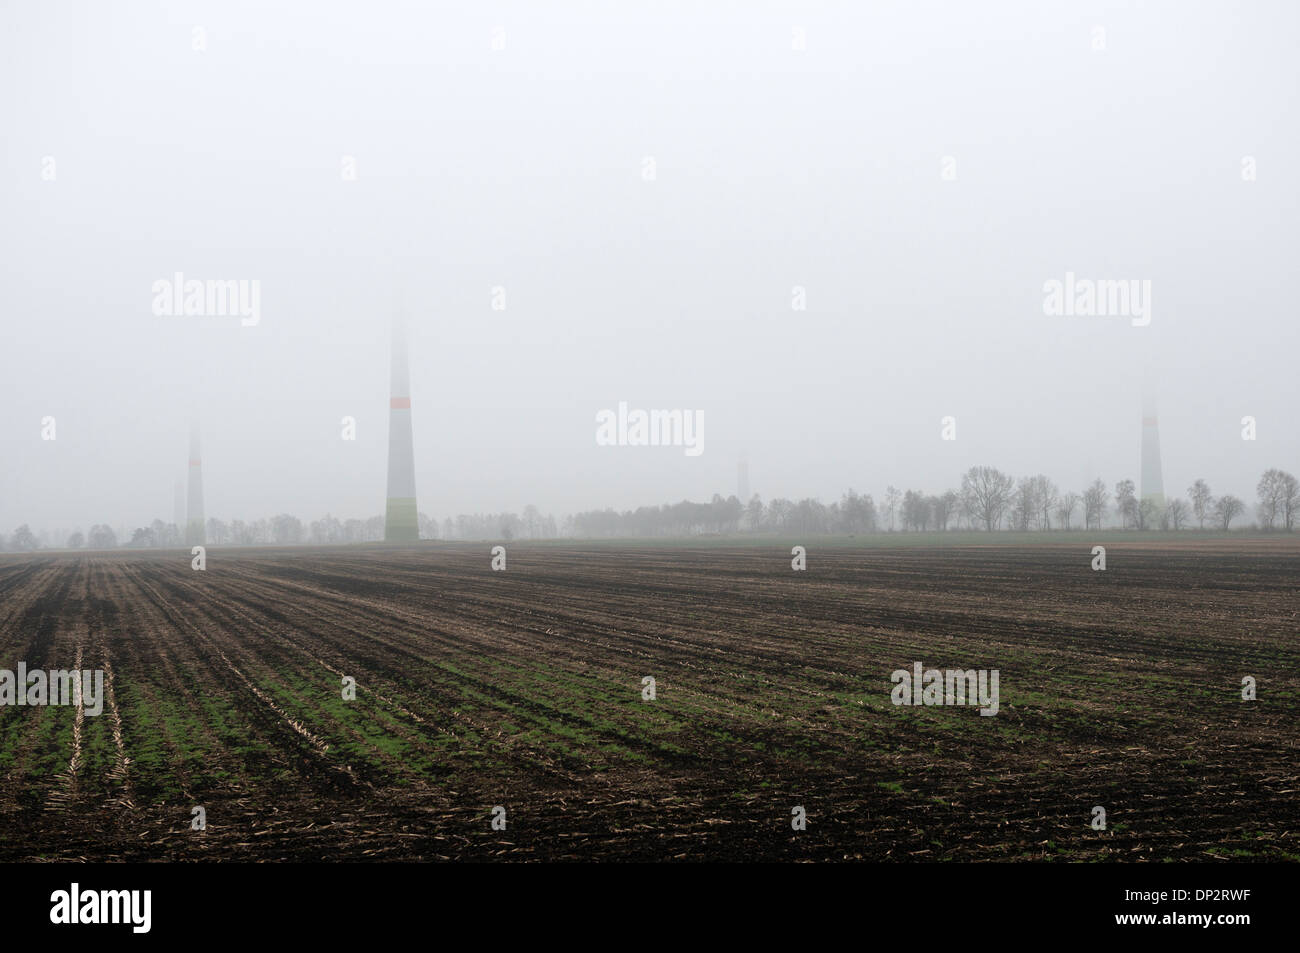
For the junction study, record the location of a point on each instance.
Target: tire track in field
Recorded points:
(212, 602)
(309, 744)
(601, 612)
(65, 793)
(120, 773)
(29, 587)
(155, 647)
(538, 760)
(694, 652)
(418, 619)
(504, 701)
(92, 620)
(526, 643)
(537, 710)
(230, 604)
(936, 631)
(20, 579)
(473, 612)
(41, 616)
(783, 671)
(817, 619)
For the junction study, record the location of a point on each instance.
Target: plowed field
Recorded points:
(523, 689)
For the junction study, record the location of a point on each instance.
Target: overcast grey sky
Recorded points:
(523, 168)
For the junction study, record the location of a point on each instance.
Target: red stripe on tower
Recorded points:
(400, 403)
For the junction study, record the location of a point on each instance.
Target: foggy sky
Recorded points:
(522, 168)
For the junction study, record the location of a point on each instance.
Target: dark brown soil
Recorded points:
(522, 688)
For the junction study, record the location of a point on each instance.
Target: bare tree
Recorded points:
(1226, 509)
(1176, 513)
(24, 540)
(1279, 497)
(1202, 501)
(428, 525)
(1270, 498)
(1147, 513)
(916, 510)
(986, 491)
(1126, 503)
(1046, 494)
(1094, 504)
(944, 506)
(1065, 507)
(285, 529)
(1024, 504)
(892, 496)
(1290, 500)
(779, 514)
(859, 513)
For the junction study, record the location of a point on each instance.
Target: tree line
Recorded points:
(287, 530)
(987, 499)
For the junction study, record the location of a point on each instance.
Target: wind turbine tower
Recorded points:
(194, 526)
(401, 520)
(1153, 484)
(178, 512)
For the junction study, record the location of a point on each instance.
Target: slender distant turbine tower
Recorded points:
(178, 512)
(194, 535)
(401, 522)
(1153, 484)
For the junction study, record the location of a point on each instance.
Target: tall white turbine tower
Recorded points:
(401, 517)
(1153, 483)
(178, 512)
(194, 523)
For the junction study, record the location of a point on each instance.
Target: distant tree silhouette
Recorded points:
(986, 493)
(23, 540)
(1202, 501)
(1226, 509)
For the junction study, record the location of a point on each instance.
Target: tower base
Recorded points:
(401, 521)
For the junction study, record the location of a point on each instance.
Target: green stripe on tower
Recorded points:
(401, 520)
